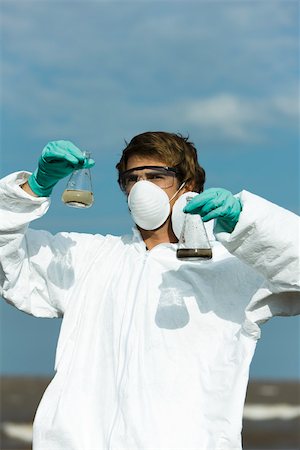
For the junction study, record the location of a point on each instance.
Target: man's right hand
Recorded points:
(58, 160)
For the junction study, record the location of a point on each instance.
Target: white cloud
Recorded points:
(241, 118)
(288, 106)
(101, 67)
(226, 114)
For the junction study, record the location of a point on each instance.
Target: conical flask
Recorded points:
(193, 242)
(79, 192)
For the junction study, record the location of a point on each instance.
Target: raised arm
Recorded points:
(37, 269)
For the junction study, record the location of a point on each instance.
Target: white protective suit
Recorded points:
(154, 352)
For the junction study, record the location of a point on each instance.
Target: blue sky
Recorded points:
(97, 73)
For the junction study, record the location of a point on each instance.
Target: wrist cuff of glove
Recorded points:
(228, 225)
(222, 225)
(41, 191)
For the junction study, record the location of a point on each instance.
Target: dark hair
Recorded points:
(173, 149)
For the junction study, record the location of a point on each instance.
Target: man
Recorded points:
(154, 351)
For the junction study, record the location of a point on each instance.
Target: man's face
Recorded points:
(166, 180)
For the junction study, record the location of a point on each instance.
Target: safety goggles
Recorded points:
(162, 176)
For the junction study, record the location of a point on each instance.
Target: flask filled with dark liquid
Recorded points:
(193, 242)
(78, 192)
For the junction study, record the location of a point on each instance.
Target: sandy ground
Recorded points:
(271, 417)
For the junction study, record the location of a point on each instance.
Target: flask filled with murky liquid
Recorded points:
(193, 241)
(79, 192)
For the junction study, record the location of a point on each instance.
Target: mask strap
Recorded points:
(180, 187)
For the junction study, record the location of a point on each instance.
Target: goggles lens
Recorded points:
(161, 176)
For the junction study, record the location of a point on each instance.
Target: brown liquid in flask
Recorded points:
(194, 253)
(78, 192)
(78, 198)
(193, 242)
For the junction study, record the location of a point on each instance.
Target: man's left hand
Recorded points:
(216, 203)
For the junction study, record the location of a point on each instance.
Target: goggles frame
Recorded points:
(174, 171)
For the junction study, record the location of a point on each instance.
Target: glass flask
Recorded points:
(193, 241)
(79, 192)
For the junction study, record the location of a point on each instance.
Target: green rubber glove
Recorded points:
(216, 203)
(58, 160)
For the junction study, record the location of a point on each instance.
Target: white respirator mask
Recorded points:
(149, 204)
